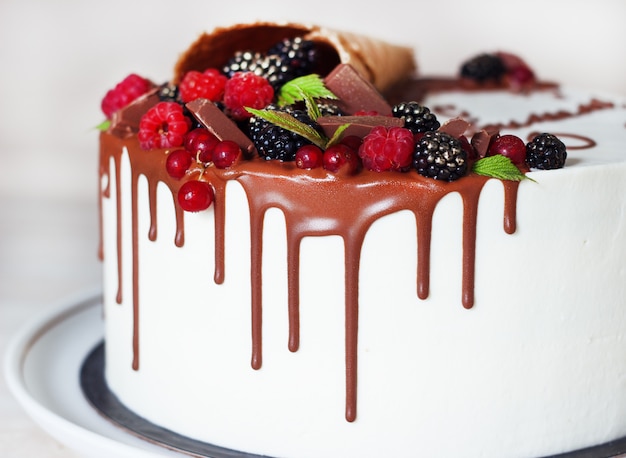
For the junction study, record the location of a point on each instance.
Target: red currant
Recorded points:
(200, 143)
(309, 157)
(178, 162)
(353, 141)
(195, 196)
(510, 146)
(340, 157)
(225, 154)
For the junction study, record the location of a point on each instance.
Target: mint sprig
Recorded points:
(104, 125)
(499, 166)
(298, 89)
(288, 122)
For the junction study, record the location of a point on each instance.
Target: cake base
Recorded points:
(94, 386)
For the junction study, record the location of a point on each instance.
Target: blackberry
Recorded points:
(274, 142)
(417, 118)
(329, 109)
(483, 67)
(545, 152)
(298, 54)
(242, 61)
(168, 92)
(440, 156)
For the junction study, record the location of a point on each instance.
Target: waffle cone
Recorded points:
(381, 63)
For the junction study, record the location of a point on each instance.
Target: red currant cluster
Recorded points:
(203, 148)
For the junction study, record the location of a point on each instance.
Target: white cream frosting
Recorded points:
(535, 368)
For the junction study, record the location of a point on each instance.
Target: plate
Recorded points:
(42, 367)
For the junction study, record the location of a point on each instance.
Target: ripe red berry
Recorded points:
(245, 89)
(200, 143)
(309, 157)
(510, 146)
(129, 89)
(225, 154)
(163, 126)
(387, 149)
(340, 158)
(207, 85)
(195, 196)
(353, 141)
(178, 162)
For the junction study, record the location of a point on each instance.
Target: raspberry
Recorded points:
(206, 85)
(387, 149)
(545, 152)
(163, 126)
(440, 156)
(417, 118)
(123, 93)
(245, 89)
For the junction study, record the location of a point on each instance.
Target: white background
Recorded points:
(58, 58)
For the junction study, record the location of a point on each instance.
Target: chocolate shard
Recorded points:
(358, 125)
(125, 121)
(220, 125)
(455, 127)
(481, 140)
(355, 93)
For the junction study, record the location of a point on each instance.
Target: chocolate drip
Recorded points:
(314, 203)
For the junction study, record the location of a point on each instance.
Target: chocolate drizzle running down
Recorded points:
(332, 205)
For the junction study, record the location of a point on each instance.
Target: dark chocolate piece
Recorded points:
(355, 92)
(359, 125)
(455, 127)
(220, 125)
(481, 140)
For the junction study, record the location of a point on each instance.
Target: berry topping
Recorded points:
(163, 126)
(178, 162)
(225, 154)
(123, 93)
(242, 61)
(440, 156)
(246, 90)
(275, 142)
(195, 196)
(484, 67)
(309, 157)
(206, 85)
(510, 146)
(200, 143)
(545, 152)
(518, 72)
(298, 55)
(387, 149)
(417, 118)
(340, 158)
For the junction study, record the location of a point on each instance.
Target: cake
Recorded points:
(360, 307)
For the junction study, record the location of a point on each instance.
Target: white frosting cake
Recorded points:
(524, 359)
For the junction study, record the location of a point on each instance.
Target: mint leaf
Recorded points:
(104, 125)
(498, 166)
(337, 135)
(286, 121)
(304, 86)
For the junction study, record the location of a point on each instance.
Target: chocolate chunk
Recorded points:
(355, 92)
(125, 121)
(220, 125)
(455, 127)
(481, 140)
(359, 125)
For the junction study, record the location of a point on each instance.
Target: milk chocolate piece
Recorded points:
(355, 92)
(125, 121)
(481, 140)
(220, 125)
(359, 125)
(455, 127)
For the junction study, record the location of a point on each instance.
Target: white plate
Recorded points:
(42, 368)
